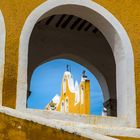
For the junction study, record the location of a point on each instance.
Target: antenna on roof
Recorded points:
(84, 74)
(68, 68)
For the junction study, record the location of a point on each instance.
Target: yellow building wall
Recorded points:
(12, 128)
(85, 107)
(72, 107)
(126, 138)
(15, 13)
(71, 99)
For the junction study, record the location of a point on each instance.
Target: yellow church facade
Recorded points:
(74, 98)
(115, 62)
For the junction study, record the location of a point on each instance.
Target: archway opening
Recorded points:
(49, 89)
(75, 38)
(116, 37)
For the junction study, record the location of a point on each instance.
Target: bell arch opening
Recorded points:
(116, 38)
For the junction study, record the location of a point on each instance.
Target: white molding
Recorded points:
(111, 29)
(2, 52)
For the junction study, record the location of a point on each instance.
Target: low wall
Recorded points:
(20, 125)
(12, 128)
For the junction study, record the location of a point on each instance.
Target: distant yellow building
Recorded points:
(75, 98)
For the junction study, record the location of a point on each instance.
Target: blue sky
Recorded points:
(46, 83)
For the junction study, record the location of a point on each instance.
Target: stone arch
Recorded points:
(111, 29)
(2, 53)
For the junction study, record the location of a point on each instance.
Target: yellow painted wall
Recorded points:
(72, 107)
(127, 138)
(15, 13)
(85, 107)
(12, 128)
(71, 99)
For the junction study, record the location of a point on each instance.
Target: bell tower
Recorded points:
(84, 94)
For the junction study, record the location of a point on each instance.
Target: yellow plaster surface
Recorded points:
(13, 128)
(126, 138)
(127, 12)
(15, 13)
(73, 107)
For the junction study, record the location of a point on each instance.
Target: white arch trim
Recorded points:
(115, 35)
(2, 53)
